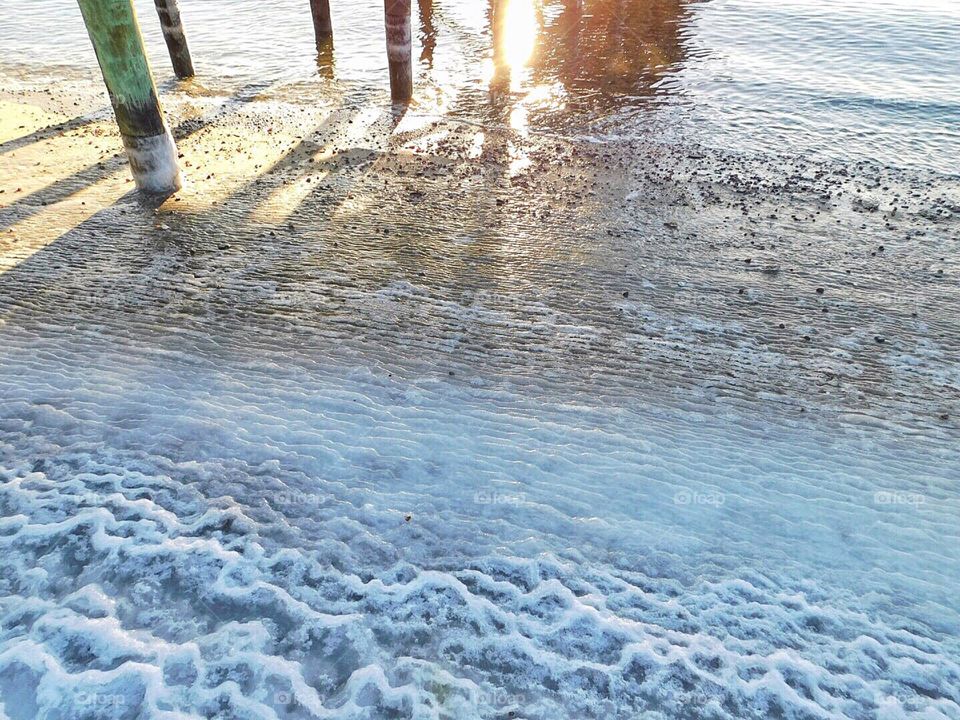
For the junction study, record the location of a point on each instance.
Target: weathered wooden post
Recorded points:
(113, 29)
(399, 49)
(323, 30)
(322, 25)
(176, 40)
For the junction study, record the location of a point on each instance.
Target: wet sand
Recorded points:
(423, 242)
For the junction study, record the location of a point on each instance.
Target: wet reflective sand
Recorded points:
(765, 277)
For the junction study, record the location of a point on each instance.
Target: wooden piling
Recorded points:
(115, 34)
(176, 40)
(399, 49)
(322, 25)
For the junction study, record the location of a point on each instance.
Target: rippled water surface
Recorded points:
(618, 377)
(877, 79)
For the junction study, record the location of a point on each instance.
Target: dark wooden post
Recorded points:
(112, 26)
(322, 25)
(176, 40)
(323, 30)
(399, 49)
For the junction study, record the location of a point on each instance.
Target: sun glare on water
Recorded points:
(518, 33)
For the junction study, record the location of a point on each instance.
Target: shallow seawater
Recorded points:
(619, 377)
(876, 80)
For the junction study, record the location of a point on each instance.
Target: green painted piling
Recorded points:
(174, 36)
(399, 49)
(115, 34)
